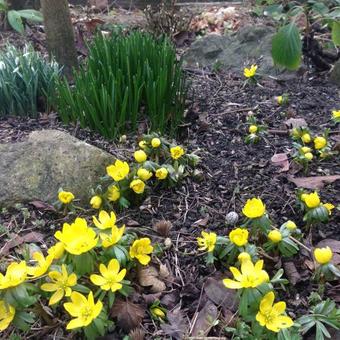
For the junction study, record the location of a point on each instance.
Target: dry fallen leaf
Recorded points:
(315, 182)
(128, 314)
(202, 222)
(205, 320)
(292, 273)
(137, 334)
(162, 227)
(149, 277)
(281, 160)
(292, 123)
(177, 325)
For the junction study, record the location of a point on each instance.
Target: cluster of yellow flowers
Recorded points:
(255, 130)
(70, 262)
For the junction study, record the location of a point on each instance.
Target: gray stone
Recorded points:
(251, 44)
(335, 73)
(36, 168)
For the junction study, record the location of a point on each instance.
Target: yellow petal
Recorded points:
(267, 302)
(75, 323)
(121, 275)
(49, 287)
(236, 273)
(284, 321)
(232, 284)
(97, 309)
(72, 280)
(143, 259)
(279, 307)
(113, 266)
(56, 297)
(78, 299)
(97, 280)
(71, 308)
(116, 286)
(261, 319)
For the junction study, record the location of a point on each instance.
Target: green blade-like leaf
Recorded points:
(15, 21)
(336, 32)
(31, 14)
(287, 47)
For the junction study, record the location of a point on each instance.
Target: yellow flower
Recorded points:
(254, 208)
(118, 171)
(305, 149)
(113, 193)
(253, 128)
(250, 72)
(111, 276)
(113, 238)
(320, 142)
(106, 221)
(239, 236)
(7, 313)
(16, 273)
(65, 197)
(43, 264)
(244, 256)
(140, 156)
(312, 200)
(270, 316)
(83, 309)
(323, 255)
(250, 276)
(161, 173)
(176, 152)
(141, 249)
(290, 225)
(155, 142)
(336, 114)
(157, 313)
(142, 144)
(96, 202)
(137, 186)
(329, 207)
(61, 284)
(57, 251)
(275, 236)
(306, 138)
(309, 156)
(279, 100)
(144, 174)
(207, 241)
(77, 238)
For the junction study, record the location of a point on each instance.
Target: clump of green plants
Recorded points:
(126, 79)
(27, 81)
(15, 18)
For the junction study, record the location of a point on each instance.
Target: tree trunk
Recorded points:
(59, 33)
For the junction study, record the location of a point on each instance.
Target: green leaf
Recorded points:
(31, 14)
(287, 47)
(15, 21)
(336, 32)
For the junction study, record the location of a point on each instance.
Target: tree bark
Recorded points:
(60, 34)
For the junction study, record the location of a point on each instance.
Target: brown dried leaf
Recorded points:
(164, 271)
(129, 315)
(292, 123)
(281, 160)
(148, 277)
(177, 325)
(292, 273)
(42, 206)
(202, 222)
(137, 334)
(17, 240)
(315, 182)
(205, 320)
(162, 227)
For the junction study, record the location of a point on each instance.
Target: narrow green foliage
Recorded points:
(27, 81)
(125, 80)
(287, 47)
(336, 32)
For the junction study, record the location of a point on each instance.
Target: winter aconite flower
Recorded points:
(77, 238)
(110, 277)
(109, 240)
(306, 149)
(239, 236)
(137, 186)
(96, 202)
(320, 142)
(329, 207)
(306, 138)
(336, 113)
(271, 316)
(250, 72)
(244, 256)
(140, 156)
(275, 236)
(250, 276)
(118, 171)
(253, 129)
(57, 251)
(155, 142)
(312, 200)
(323, 255)
(60, 284)
(141, 249)
(290, 225)
(7, 313)
(254, 208)
(42, 265)
(65, 197)
(207, 241)
(144, 174)
(157, 313)
(176, 152)
(16, 273)
(142, 144)
(105, 221)
(113, 193)
(279, 100)
(83, 309)
(161, 173)
(309, 156)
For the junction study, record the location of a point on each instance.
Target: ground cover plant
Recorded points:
(126, 78)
